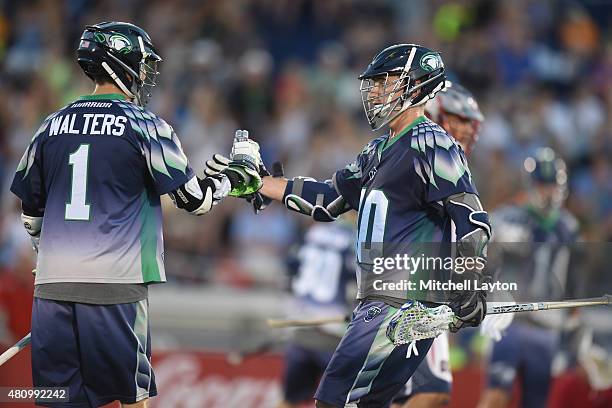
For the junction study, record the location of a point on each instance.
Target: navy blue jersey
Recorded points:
(97, 168)
(534, 251)
(524, 224)
(397, 185)
(326, 265)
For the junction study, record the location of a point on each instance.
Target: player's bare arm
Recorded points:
(274, 187)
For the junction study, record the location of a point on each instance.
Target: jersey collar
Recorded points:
(95, 97)
(389, 141)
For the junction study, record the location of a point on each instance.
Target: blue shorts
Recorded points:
(433, 375)
(366, 367)
(102, 353)
(524, 353)
(303, 369)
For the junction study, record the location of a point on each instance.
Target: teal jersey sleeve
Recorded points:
(349, 180)
(167, 163)
(28, 183)
(440, 164)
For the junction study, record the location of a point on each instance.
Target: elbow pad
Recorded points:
(318, 200)
(198, 196)
(472, 224)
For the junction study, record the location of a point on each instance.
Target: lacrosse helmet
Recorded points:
(399, 77)
(546, 179)
(122, 53)
(456, 101)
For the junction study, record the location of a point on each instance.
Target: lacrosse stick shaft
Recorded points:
(237, 357)
(20, 345)
(281, 323)
(519, 307)
(564, 304)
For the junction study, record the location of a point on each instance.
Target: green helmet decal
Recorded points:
(431, 61)
(120, 43)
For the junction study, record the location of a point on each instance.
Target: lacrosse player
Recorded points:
(90, 184)
(455, 109)
(323, 270)
(543, 227)
(408, 187)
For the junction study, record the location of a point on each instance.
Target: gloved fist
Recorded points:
(470, 308)
(216, 165)
(222, 187)
(245, 150)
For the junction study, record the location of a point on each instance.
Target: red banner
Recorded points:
(200, 379)
(194, 379)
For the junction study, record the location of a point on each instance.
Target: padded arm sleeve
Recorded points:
(318, 200)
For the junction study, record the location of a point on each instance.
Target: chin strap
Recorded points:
(117, 81)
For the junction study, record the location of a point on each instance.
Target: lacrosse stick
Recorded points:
(414, 321)
(237, 357)
(282, 323)
(20, 345)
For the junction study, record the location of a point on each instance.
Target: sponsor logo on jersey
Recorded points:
(372, 173)
(372, 313)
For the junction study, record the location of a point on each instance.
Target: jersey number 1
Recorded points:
(76, 209)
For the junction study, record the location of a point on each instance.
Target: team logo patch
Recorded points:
(372, 313)
(120, 43)
(430, 62)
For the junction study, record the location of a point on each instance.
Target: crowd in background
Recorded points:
(287, 71)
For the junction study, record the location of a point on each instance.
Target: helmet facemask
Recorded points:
(147, 77)
(381, 98)
(393, 97)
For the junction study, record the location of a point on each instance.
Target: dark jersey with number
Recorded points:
(97, 168)
(326, 265)
(397, 185)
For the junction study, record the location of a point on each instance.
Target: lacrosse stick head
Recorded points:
(415, 321)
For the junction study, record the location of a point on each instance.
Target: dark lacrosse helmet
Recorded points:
(122, 53)
(399, 77)
(546, 179)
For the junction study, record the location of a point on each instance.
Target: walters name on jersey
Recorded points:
(97, 169)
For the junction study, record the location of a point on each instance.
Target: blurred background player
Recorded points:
(90, 184)
(367, 368)
(589, 383)
(322, 285)
(532, 242)
(456, 110)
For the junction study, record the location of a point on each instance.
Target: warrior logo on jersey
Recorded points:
(431, 62)
(372, 313)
